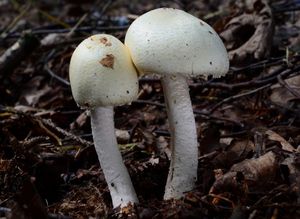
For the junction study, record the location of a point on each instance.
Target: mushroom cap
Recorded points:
(102, 73)
(171, 41)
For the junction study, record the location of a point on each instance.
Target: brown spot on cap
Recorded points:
(105, 41)
(108, 61)
(210, 32)
(201, 23)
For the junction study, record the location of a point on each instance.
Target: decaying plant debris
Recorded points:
(248, 121)
(248, 34)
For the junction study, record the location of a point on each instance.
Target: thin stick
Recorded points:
(287, 86)
(235, 97)
(49, 123)
(15, 21)
(51, 73)
(19, 51)
(85, 16)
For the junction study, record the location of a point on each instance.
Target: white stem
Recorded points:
(184, 160)
(115, 172)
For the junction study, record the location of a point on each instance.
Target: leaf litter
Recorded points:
(248, 121)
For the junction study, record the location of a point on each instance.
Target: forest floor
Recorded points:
(248, 121)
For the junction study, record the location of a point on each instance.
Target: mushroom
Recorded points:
(102, 76)
(177, 45)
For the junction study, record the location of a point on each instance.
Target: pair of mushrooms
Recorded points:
(165, 41)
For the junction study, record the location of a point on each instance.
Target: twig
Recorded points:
(288, 9)
(287, 86)
(78, 30)
(49, 132)
(209, 156)
(60, 79)
(261, 202)
(81, 20)
(70, 33)
(49, 123)
(149, 103)
(208, 115)
(20, 50)
(260, 64)
(238, 96)
(203, 114)
(50, 72)
(254, 82)
(7, 199)
(53, 19)
(15, 21)
(77, 25)
(162, 132)
(105, 7)
(31, 142)
(258, 81)
(266, 81)
(234, 134)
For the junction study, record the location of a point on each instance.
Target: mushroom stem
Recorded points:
(184, 160)
(115, 173)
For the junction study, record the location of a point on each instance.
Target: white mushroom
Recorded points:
(177, 45)
(102, 75)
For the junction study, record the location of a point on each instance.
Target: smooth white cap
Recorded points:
(171, 41)
(102, 73)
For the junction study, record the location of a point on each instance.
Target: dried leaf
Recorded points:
(242, 147)
(258, 171)
(292, 162)
(276, 137)
(238, 150)
(255, 172)
(248, 35)
(282, 95)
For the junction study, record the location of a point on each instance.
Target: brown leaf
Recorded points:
(252, 172)
(292, 163)
(282, 95)
(238, 150)
(248, 35)
(258, 171)
(242, 147)
(276, 137)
